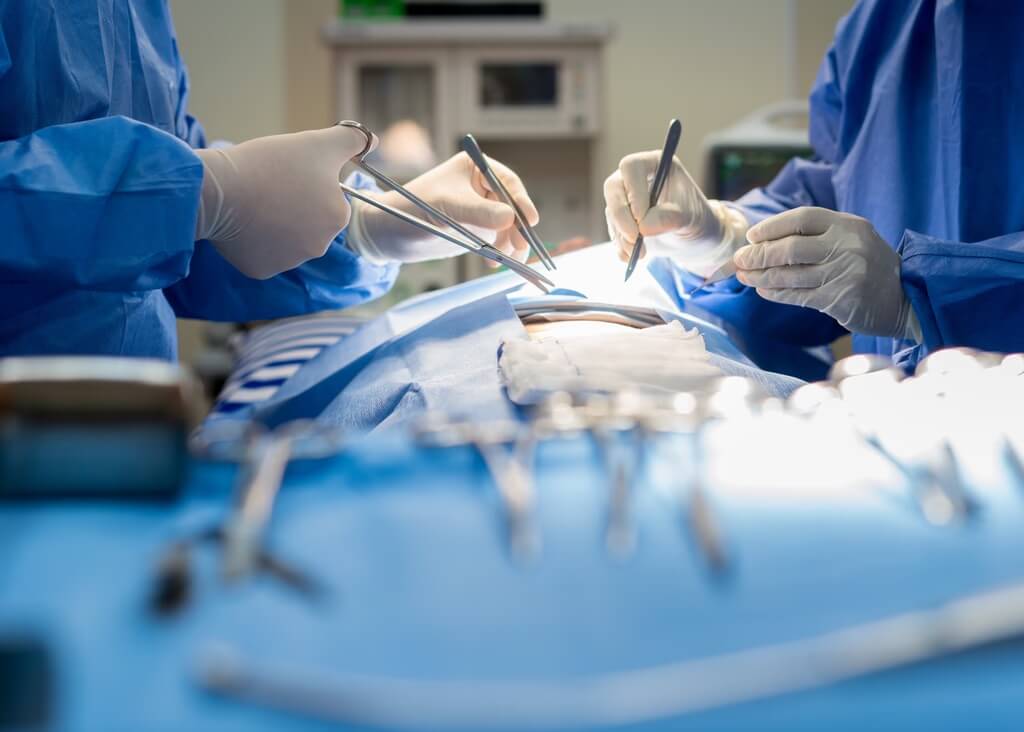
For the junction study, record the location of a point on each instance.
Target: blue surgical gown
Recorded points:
(917, 122)
(99, 191)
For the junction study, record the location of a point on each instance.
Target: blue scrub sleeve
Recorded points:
(217, 291)
(773, 335)
(194, 134)
(108, 204)
(966, 294)
(214, 290)
(776, 336)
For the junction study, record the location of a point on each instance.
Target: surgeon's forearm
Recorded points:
(108, 204)
(966, 294)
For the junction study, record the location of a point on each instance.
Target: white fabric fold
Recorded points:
(662, 359)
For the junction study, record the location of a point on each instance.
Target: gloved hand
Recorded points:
(832, 262)
(457, 188)
(697, 234)
(272, 203)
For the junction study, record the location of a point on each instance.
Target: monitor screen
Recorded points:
(734, 170)
(519, 84)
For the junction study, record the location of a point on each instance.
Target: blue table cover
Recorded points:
(440, 351)
(408, 542)
(420, 584)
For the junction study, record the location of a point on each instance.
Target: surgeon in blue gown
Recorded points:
(905, 229)
(114, 219)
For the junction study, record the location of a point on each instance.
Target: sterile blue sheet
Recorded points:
(440, 351)
(419, 585)
(448, 364)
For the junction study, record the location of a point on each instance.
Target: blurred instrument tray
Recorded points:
(94, 427)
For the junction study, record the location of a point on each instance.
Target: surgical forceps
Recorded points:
(472, 149)
(263, 460)
(622, 450)
(472, 242)
(506, 449)
(261, 478)
(675, 131)
(935, 478)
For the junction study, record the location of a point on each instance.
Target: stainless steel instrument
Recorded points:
(668, 151)
(471, 242)
(472, 148)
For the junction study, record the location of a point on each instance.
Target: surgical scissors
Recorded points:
(474, 244)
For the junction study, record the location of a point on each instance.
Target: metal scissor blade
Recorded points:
(472, 149)
(435, 213)
(408, 218)
(485, 250)
(529, 274)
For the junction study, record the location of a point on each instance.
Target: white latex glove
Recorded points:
(457, 188)
(832, 262)
(272, 203)
(697, 234)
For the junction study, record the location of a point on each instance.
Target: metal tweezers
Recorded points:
(668, 151)
(472, 149)
(474, 244)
